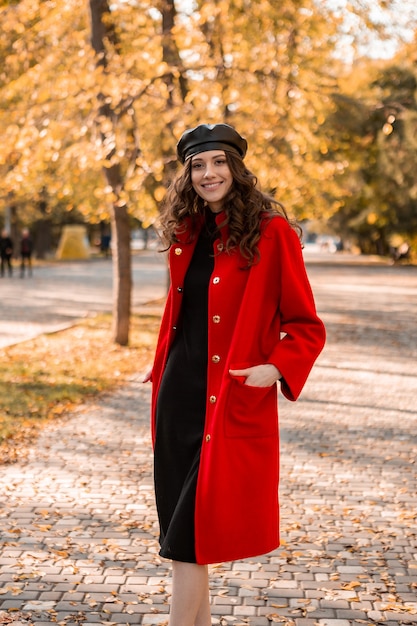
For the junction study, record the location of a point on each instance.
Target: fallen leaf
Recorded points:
(350, 586)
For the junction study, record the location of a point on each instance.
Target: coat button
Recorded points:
(220, 247)
(179, 289)
(213, 399)
(178, 251)
(216, 280)
(216, 319)
(215, 358)
(208, 437)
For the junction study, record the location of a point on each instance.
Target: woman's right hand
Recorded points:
(147, 376)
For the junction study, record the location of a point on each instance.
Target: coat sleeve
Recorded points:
(302, 331)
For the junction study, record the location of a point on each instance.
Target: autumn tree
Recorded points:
(94, 96)
(375, 122)
(85, 121)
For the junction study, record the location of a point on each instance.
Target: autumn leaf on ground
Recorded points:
(42, 380)
(351, 586)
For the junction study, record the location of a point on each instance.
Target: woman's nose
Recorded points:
(209, 171)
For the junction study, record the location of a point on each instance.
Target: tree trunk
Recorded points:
(171, 56)
(101, 30)
(122, 275)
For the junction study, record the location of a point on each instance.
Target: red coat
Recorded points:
(236, 514)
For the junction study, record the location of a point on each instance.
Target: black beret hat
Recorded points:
(210, 137)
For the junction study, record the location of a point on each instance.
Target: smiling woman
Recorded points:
(239, 317)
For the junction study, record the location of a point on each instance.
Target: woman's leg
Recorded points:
(190, 605)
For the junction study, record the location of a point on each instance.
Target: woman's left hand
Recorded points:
(259, 375)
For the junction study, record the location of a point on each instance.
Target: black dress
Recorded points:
(180, 410)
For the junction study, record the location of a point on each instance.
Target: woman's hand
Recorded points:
(259, 375)
(147, 376)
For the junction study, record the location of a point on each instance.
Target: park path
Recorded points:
(59, 293)
(78, 522)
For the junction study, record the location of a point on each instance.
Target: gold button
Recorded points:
(216, 319)
(216, 280)
(213, 399)
(220, 247)
(215, 358)
(178, 251)
(208, 437)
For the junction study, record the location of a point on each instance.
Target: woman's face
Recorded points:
(211, 177)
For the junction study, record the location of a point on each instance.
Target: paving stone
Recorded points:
(8, 605)
(334, 622)
(400, 617)
(245, 611)
(155, 620)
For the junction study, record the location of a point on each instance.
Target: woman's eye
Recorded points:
(220, 161)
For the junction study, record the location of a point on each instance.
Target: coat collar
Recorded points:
(183, 233)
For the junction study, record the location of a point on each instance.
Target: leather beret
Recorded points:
(210, 137)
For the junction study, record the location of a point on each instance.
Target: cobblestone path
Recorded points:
(78, 522)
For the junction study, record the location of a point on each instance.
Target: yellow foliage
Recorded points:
(267, 67)
(159, 193)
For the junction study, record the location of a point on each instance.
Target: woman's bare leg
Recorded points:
(203, 617)
(190, 605)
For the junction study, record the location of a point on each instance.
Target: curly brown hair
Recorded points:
(245, 207)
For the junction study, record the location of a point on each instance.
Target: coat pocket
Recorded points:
(250, 411)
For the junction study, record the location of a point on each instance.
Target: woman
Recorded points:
(239, 317)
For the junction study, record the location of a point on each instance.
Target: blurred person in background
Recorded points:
(26, 249)
(6, 252)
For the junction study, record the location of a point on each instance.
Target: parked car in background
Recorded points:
(322, 243)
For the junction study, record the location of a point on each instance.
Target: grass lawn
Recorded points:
(44, 378)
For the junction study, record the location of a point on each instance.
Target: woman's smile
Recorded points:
(211, 185)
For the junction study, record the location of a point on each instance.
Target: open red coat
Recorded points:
(265, 314)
